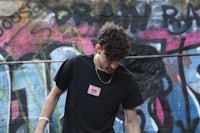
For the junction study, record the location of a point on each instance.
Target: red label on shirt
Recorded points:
(93, 90)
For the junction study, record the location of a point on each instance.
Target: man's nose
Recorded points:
(113, 65)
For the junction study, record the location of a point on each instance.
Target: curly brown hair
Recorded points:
(113, 39)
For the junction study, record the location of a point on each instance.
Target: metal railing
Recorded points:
(128, 57)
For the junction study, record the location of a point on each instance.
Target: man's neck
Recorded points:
(97, 62)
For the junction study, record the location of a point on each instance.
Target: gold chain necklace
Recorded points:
(101, 79)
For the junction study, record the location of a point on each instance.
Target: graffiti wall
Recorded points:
(39, 35)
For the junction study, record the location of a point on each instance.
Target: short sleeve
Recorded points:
(64, 75)
(134, 97)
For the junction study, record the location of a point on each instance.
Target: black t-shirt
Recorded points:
(91, 106)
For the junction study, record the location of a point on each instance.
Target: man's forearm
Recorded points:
(131, 128)
(47, 111)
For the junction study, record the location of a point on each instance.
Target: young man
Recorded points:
(96, 85)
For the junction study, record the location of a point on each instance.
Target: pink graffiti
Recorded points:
(20, 41)
(83, 41)
(172, 41)
(159, 111)
(15, 109)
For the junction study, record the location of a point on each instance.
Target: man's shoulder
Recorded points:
(83, 57)
(123, 71)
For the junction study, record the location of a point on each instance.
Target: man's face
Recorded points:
(107, 65)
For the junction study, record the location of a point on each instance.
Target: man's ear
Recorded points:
(98, 48)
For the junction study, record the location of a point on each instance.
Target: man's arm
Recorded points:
(48, 108)
(131, 122)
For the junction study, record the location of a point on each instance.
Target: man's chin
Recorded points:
(109, 72)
